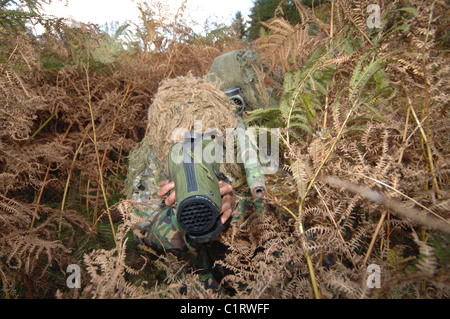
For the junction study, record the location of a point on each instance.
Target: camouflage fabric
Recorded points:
(156, 221)
(144, 173)
(243, 69)
(161, 230)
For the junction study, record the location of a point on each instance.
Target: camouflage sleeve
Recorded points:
(156, 222)
(162, 231)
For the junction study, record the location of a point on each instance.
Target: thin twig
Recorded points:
(68, 183)
(102, 185)
(39, 129)
(124, 99)
(9, 59)
(404, 135)
(331, 22)
(372, 242)
(406, 196)
(5, 283)
(41, 191)
(424, 136)
(316, 174)
(427, 104)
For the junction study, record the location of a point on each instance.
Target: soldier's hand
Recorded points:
(164, 190)
(226, 191)
(228, 208)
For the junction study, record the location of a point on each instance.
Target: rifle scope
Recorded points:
(198, 200)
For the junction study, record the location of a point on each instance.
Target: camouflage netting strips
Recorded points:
(181, 101)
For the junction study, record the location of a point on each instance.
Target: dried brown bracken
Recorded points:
(363, 143)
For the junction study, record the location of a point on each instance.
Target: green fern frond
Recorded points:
(300, 173)
(303, 126)
(270, 113)
(361, 76)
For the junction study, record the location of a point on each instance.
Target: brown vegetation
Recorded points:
(364, 143)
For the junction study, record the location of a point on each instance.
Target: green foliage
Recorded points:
(13, 19)
(84, 46)
(304, 93)
(299, 103)
(369, 87)
(50, 61)
(110, 47)
(264, 10)
(441, 245)
(239, 24)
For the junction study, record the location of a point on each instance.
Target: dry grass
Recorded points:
(379, 127)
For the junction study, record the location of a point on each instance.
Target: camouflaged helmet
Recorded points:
(242, 69)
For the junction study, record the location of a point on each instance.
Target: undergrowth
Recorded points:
(363, 180)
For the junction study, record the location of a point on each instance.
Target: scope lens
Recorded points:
(197, 215)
